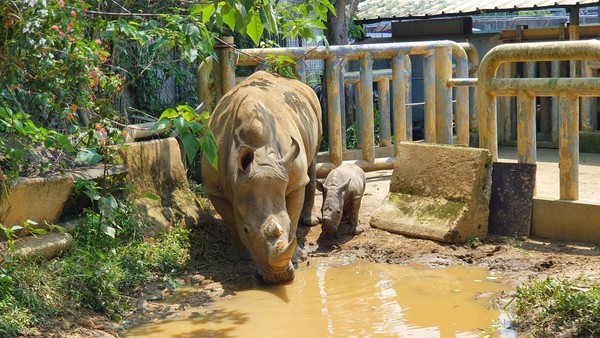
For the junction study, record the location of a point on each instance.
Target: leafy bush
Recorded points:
(98, 273)
(551, 305)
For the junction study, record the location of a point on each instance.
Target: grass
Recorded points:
(558, 305)
(98, 274)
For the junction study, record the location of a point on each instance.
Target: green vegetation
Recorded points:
(72, 71)
(553, 305)
(98, 273)
(68, 66)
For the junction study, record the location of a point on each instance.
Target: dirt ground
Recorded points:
(519, 259)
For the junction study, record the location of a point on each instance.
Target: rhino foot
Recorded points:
(357, 230)
(299, 256)
(308, 221)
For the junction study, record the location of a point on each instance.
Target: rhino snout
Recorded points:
(269, 276)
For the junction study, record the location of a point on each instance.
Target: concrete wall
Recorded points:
(566, 220)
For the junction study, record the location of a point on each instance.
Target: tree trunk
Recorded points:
(337, 34)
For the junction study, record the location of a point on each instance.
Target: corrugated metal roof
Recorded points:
(372, 10)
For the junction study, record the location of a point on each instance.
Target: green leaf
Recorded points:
(248, 4)
(196, 127)
(87, 156)
(19, 126)
(64, 142)
(255, 28)
(185, 109)
(182, 126)
(108, 207)
(38, 231)
(191, 146)
(229, 17)
(160, 125)
(169, 113)
(6, 113)
(152, 196)
(207, 12)
(210, 149)
(31, 222)
(93, 194)
(50, 142)
(318, 23)
(108, 230)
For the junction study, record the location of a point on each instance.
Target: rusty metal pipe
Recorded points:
(569, 146)
(443, 96)
(545, 86)
(367, 129)
(250, 57)
(334, 110)
(399, 100)
(429, 97)
(526, 132)
(385, 121)
(382, 163)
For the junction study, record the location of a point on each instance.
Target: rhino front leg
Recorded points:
(355, 227)
(294, 202)
(306, 218)
(237, 250)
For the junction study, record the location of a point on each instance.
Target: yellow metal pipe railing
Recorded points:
(439, 57)
(568, 91)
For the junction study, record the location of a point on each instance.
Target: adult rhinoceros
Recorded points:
(268, 131)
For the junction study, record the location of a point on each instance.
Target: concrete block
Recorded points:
(438, 192)
(155, 168)
(37, 199)
(566, 220)
(47, 246)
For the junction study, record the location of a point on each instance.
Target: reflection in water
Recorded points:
(357, 299)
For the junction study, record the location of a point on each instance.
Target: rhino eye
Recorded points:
(246, 230)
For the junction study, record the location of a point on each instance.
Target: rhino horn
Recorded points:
(280, 255)
(291, 155)
(274, 229)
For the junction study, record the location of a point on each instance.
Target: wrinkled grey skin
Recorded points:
(343, 191)
(268, 131)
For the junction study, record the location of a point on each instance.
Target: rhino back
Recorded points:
(264, 112)
(345, 172)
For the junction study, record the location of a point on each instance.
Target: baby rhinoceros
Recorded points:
(343, 191)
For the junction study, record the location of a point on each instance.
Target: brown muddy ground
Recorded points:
(519, 259)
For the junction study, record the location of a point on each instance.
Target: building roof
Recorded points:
(377, 10)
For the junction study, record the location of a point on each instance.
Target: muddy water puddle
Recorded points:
(353, 299)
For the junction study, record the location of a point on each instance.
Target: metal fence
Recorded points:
(442, 117)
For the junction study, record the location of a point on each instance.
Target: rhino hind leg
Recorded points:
(306, 217)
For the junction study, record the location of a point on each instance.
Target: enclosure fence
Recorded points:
(439, 58)
(567, 89)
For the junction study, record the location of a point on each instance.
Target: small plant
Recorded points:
(192, 129)
(543, 307)
(473, 242)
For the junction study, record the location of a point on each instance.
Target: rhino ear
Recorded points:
(245, 158)
(320, 186)
(343, 187)
(291, 155)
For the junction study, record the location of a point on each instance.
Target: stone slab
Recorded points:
(155, 168)
(438, 192)
(47, 246)
(566, 220)
(37, 199)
